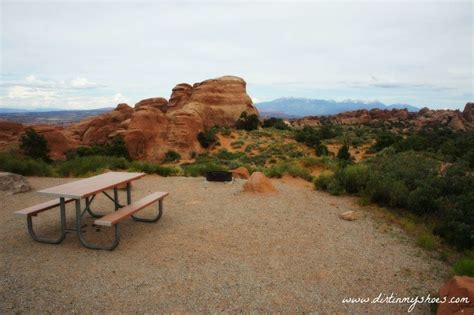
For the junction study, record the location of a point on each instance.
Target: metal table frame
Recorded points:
(87, 209)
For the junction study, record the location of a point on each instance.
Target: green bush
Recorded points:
(464, 267)
(34, 145)
(297, 171)
(276, 123)
(24, 166)
(226, 155)
(343, 153)
(275, 171)
(426, 241)
(322, 182)
(247, 122)
(207, 137)
(201, 169)
(151, 168)
(354, 178)
(116, 147)
(309, 136)
(385, 139)
(322, 150)
(171, 156)
(88, 165)
(411, 180)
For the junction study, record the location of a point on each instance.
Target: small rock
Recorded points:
(350, 215)
(457, 287)
(241, 172)
(13, 183)
(258, 182)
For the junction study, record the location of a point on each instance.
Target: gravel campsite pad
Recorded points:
(215, 249)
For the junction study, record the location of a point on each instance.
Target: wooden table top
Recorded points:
(92, 185)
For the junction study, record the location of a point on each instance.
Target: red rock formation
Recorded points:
(9, 134)
(425, 117)
(155, 125)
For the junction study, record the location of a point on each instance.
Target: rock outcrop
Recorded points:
(154, 125)
(425, 117)
(457, 287)
(241, 172)
(13, 183)
(259, 183)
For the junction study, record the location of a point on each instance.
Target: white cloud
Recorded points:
(24, 92)
(82, 83)
(306, 48)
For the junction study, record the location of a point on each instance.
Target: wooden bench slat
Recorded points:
(41, 207)
(117, 216)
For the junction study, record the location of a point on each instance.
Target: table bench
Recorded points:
(87, 189)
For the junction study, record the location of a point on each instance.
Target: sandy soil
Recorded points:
(215, 249)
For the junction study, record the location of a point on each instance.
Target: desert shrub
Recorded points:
(226, 155)
(322, 181)
(327, 132)
(385, 139)
(308, 136)
(298, 171)
(426, 241)
(354, 178)
(207, 137)
(276, 123)
(247, 122)
(171, 156)
(225, 131)
(237, 144)
(322, 150)
(310, 161)
(343, 153)
(411, 180)
(24, 165)
(335, 188)
(34, 145)
(116, 147)
(200, 169)
(152, 168)
(275, 171)
(87, 165)
(464, 267)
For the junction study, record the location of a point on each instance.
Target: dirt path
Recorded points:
(215, 249)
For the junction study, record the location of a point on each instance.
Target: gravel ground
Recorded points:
(216, 249)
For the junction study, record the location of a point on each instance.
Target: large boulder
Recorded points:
(180, 95)
(259, 183)
(156, 102)
(13, 183)
(468, 112)
(457, 287)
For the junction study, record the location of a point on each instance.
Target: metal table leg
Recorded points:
(79, 215)
(62, 236)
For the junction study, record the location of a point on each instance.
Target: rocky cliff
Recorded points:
(153, 126)
(454, 119)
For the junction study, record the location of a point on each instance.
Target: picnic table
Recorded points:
(86, 190)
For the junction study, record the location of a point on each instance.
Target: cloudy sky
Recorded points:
(95, 54)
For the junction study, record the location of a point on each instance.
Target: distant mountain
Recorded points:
(291, 106)
(56, 117)
(12, 110)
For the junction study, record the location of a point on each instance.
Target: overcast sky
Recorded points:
(97, 54)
